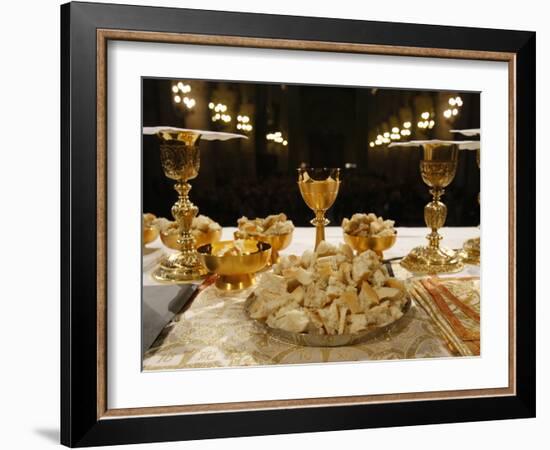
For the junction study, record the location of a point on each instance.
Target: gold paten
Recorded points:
(328, 340)
(438, 169)
(180, 157)
(319, 189)
(377, 244)
(235, 271)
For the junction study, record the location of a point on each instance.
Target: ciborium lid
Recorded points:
(205, 135)
(462, 145)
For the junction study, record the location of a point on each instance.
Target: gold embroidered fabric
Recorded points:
(215, 332)
(454, 306)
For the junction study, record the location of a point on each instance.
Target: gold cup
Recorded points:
(438, 169)
(278, 242)
(319, 188)
(471, 253)
(378, 244)
(180, 157)
(235, 271)
(150, 234)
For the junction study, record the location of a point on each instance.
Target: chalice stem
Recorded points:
(319, 223)
(184, 211)
(435, 214)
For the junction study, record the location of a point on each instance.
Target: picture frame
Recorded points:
(86, 28)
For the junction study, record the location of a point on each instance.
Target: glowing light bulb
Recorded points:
(447, 113)
(425, 115)
(407, 124)
(455, 112)
(177, 98)
(452, 101)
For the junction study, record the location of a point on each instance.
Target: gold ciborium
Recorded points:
(278, 242)
(319, 189)
(378, 244)
(438, 169)
(470, 253)
(180, 158)
(235, 270)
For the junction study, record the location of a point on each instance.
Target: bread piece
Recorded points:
(294, 321)
(346, 250)
(335, 288)
(325, 249)
(298, 295)
(271, 282)
(395, 283)
(379, 314)
(351, 299)
(378, 278)
(308, 258)
(356, 323)
(364, 264)
(342, 312)
(387, 292)
(315, 323)
(315, 297)
(368, 296)
(266, 304)
(330, 319)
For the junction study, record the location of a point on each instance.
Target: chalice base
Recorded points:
(470, 253)
(235, 282)
(432, 260)
(180, 268)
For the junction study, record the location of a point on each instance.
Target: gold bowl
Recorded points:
(149, 234)
(378, 244)
(171, 239)
(235, 271)
(278, 242)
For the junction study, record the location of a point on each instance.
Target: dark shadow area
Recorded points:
(289, 126)
(50, 434)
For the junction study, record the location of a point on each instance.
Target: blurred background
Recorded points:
(289, 126)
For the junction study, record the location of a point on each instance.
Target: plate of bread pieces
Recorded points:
(329, 297)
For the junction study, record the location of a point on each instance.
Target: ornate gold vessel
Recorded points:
(180, 157)
(235, 271)
(438, 169)
(278, 242)
(471, 252)
(319, 188)
(378, 244)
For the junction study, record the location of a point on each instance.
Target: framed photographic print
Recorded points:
(276, 224)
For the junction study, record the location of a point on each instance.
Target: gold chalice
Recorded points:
(378, 244)
(438, 169)
(278, 242)
(319, 189)
(180, 157)
(236, 271)
(471, 249)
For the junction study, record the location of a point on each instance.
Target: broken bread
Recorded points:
(330, 291)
